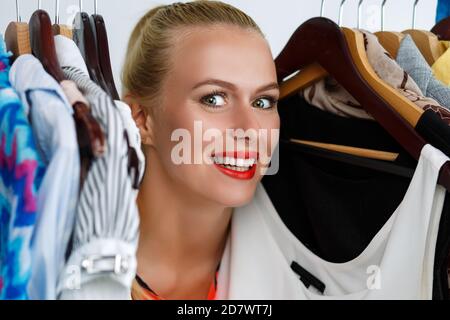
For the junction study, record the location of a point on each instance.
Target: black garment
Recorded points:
(435, 131)
(335, 209)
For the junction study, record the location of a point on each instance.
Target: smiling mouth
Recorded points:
(238, 165)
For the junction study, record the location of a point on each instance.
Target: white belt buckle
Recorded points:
(104, 264)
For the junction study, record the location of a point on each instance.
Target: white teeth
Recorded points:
(235, 164)
(219, 160)
(240, 169)
(249, 162)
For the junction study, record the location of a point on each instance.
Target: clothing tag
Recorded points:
(307, 278)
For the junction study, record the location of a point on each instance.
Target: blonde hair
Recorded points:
(147, 60)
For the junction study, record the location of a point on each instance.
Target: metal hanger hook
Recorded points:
(80, 4)
(39, 4)
(416, 2)
(56, 11)
(359, 12)
(18, 16)
(95, 6)
(322, 8)
(383, 5)
(341, 12)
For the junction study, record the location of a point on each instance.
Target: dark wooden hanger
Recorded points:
(43, 44)
(105, 66)
(442, 29)
(90, 135)
(321, 41)
(85, 38)
(103, 54)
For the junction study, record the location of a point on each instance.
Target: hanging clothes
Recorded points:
(106, 228)
(69, 55)
(400, 273)
(107, 220)
(412, 61)
(441, 67)
(442, 10)
(330, 96)
(54, 128)
(21, 174)
(347, 203)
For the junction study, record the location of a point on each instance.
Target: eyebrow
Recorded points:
(231, 86)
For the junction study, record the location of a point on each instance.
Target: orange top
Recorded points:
(141, 291)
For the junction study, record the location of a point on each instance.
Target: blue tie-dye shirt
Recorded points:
(21, 172)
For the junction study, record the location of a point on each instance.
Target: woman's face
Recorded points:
(222, 79)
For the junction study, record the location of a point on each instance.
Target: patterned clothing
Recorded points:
(53, 125)
(412, 61)
(329, 96)
(21, 173)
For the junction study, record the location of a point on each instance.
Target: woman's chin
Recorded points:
(237, 198)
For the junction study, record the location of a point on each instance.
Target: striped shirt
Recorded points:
(107, 222)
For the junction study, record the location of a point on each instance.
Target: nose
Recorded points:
(246, 124)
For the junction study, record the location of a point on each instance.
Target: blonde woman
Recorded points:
(207, 64)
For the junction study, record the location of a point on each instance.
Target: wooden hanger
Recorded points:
(90, 135)
(43, 45)
(308, 76)
(352, 42)
(84, 37)
(103, 54)
(442, 29)
(390, 40)
(342, 54)
(427, 42)
(359, 152)
(355, 160)
(404, 107)
(17, 37)
(61, 29)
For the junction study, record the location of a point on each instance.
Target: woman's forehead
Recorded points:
(224, 53)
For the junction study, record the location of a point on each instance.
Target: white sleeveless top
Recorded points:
(397, 264)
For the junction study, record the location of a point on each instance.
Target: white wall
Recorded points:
(277, 18)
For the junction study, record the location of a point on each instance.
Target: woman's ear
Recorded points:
(142, 118)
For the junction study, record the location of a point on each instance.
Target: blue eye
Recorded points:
(264, 103)
(214, 100)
